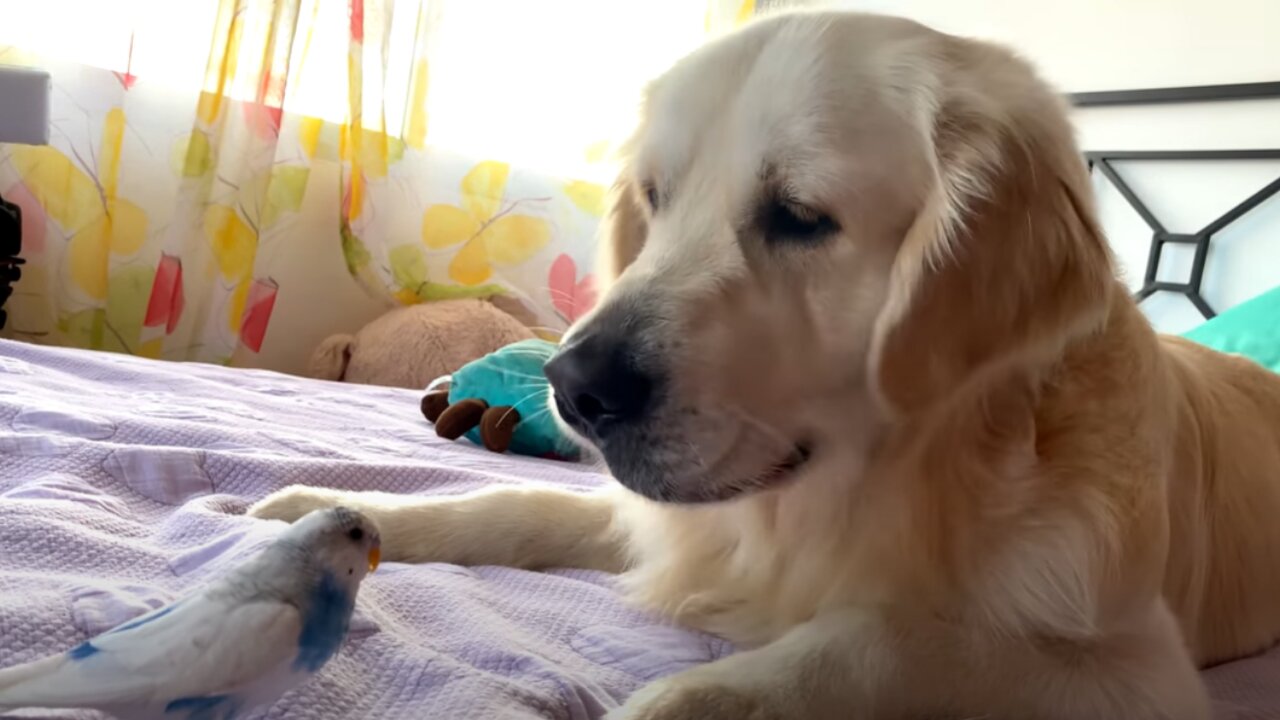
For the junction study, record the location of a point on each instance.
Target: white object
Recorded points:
(24, 105)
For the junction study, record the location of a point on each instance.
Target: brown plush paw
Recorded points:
(460, 417)
(434, 404)
(497, 426)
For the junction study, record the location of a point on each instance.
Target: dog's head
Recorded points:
(827, 222)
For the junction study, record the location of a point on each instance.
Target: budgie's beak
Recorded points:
(375, 557)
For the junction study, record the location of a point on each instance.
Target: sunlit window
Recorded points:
(537, 82)
(532, 83)
(163, 40)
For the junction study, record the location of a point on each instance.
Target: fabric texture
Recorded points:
(1251, 328)
(123, 483)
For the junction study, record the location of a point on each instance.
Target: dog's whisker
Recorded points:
(526, 354)
(546, 328)
(523, 352)
(531, 382)
(538, 379)
(518, 403)
(538, 414)
(697, 455)
(760, 425)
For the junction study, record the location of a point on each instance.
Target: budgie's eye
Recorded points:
(356, 534)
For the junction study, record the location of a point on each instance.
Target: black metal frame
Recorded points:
(1195, 93)
(1102, 160)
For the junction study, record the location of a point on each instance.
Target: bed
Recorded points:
(123, 483)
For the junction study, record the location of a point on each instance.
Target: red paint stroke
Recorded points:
(167, 298)
(356, 9)
(265, 114)
(127, 78)
(257, 312)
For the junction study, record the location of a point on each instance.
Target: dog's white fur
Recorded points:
(1022, 503)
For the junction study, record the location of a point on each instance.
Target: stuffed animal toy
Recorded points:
(411, 346)
(500, 401)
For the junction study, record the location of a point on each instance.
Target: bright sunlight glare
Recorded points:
(531, 83)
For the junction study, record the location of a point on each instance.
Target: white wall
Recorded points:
(1116, 44)
(1084, 45)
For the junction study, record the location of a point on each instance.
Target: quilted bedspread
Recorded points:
(123, 484)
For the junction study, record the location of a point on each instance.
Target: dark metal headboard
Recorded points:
(1196, 93)
(1102, 161)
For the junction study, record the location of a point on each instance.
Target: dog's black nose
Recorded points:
(599, 385)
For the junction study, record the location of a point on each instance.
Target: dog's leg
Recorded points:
(515, 527)
(853, 666)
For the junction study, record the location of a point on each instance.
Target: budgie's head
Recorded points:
(344, 541)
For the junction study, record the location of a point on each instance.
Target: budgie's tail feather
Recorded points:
(34, 684)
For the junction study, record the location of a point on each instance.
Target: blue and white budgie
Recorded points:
(240, 642)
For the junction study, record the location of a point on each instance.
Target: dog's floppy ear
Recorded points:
(626, 226)
(1003, 267)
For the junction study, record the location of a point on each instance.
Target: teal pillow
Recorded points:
(1251, 329)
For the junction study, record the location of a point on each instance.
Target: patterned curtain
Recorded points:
(471, 141)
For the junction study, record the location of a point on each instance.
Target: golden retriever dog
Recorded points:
(879, 410)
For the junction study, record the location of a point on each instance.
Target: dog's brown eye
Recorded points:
(651, 195)
(785, 221)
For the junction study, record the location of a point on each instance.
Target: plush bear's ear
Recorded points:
(518, 310)
(331, 357)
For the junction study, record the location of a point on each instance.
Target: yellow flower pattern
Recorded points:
(100, 223)
(487, 232)
(589, 197)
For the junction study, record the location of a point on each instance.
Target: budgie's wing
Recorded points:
(201, 646)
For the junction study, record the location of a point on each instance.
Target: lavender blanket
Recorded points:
(123, 483)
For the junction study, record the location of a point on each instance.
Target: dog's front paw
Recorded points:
(689, 697)
(293, 502)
